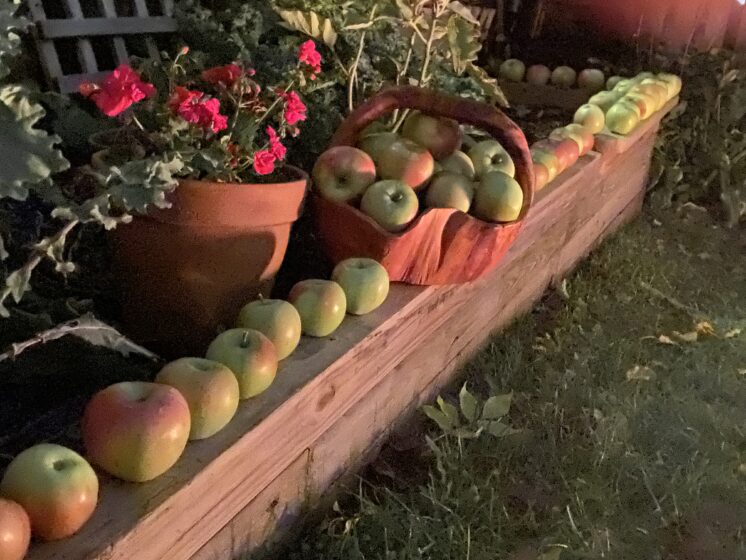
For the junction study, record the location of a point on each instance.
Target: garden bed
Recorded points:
(336, 399)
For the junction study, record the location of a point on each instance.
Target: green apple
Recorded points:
(459, 162)
(549, 160)
(321, 304)
(624, 85)
(605, 99)
(392, 204)
(210, 389)
(450, 190)
(512, 70)
(342, 173)
(56, 486)
(673, 84)
(612, 82)
(538, 75)
(489, 155)
(376, 127)
(250, 356)
(592, 79)
(406, 161)
(499, 198)
(660, 88)
(643, 76)
(591, 117)
(441, 137)
(564, 76)
(629, 102)
(276, 319)
(645, 104)
(622, 118)
(15, 530)
(375, 144)
(365, 284)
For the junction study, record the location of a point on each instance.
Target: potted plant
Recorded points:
(201, 152)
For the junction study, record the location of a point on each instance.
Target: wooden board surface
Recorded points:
(523, 93)
(335, 399)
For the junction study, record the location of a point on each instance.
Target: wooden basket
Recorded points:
(441, 246)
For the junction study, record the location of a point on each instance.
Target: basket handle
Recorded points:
(465, 111)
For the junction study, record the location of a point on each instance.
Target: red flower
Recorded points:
(225, 75)
(181, 95)
(295, 109)
(264, 162)
(192, 107)
(275, 146)
(310, 56)
(119, 91)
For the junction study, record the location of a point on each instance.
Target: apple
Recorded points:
(673, 83)
(136, 431)
(564, 76)
(489, 155)
(612, 82)
(15, 530)
(512, 70)
(658, 86)
(365, 283)
(276, 319)
(459, 162)
(605, 99)
(499, 198)
(538, 75)
(644, 105)
(581, 135)
(623, 86)
(343, 173)
(210, 389)
(57, 488)
(441, 137)
(392, 204)
(566, 150)
(450, 190)
(541, 176)
(407, 161)
(321, 304)
(376, 143)
(376, 127)
(251, 357)
(592, 79)
(548, 160)
(622, 118)
(643, 76)
(591, 117)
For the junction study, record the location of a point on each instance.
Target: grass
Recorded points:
(628, 390)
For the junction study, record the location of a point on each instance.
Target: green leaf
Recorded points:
(500, 429)
(497, 407)
(29, 154)
(450, 411)
(405, 11)
(488, 84)
(463, 11)
(468, 404)
(311, 24)
(552, 554)
(10, 41)
(441, 419)
(463, 41)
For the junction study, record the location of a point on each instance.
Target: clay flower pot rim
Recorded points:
(207, 184)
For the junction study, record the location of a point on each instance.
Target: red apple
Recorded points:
(15, 530)
(541, 176)
(564, 76)
(512, 70)
(591, 117)
(56, 486)
(406, 161)
(592, 79)
(450, 190)
(343, 173)
(498, 198)
(441, 137)
(579, 135)
(538, 75)
(321, 304)
(376, 143)
(210, 389)
(548, 160)
(136, 431)
(276, 319)
(250, 356)
(566, 150)
(392, 204)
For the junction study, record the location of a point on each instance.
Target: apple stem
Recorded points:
(260, 297)
(245, 340)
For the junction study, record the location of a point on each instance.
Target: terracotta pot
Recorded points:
(441, 246)
(186, 271)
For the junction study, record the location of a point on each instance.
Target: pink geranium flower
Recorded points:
(264, 162)
(275, 145)
(295, 109)
(119, 91)
(310, 56)
(193, 108)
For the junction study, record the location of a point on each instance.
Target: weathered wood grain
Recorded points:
(91, 27)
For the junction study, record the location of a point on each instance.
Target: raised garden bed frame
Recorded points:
(337, 399)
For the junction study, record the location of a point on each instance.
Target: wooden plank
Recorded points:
(523, 93)
(85, 49)
(47, 51)
(609, 143)
(141, 9)
(92, 27)
(120, 48)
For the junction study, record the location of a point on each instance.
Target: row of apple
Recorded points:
(391, 176)
(514, 70)
(136, 431)
(629, 101)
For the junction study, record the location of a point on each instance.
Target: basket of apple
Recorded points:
(429, 208)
